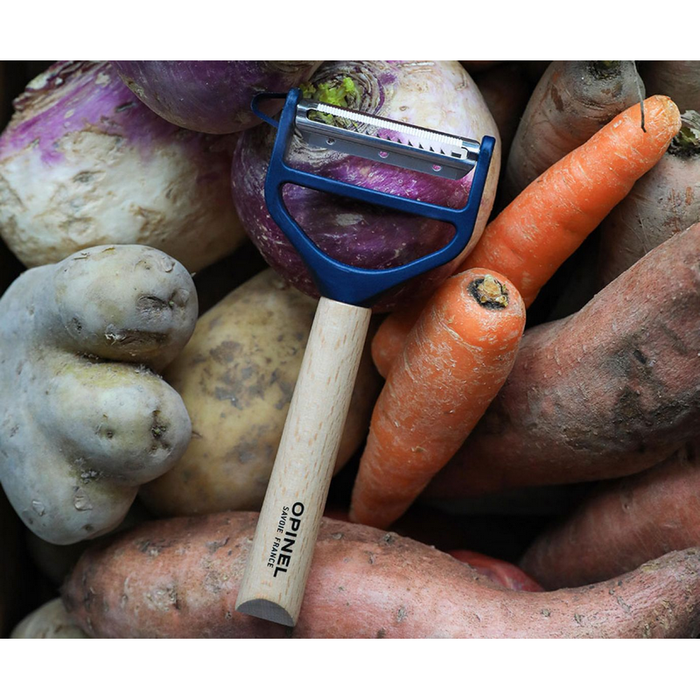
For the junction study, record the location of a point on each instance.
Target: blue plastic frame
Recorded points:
(357, 285)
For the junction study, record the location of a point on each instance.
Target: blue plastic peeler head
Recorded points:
(346, 283)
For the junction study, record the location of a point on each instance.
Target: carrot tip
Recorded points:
(489, 292)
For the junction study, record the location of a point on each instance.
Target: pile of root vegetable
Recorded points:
(519, 459)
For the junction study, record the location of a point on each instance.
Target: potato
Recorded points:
(236, 377)
(50, 621)
(179, 578)
(84, 418)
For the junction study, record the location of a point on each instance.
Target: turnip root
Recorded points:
(608, 391)
(84, 163)
(179, 578)
(50, 621)
(680, 80)
(84, 419)
(432, 94)
(622, 524)
(236, 377)
(210, 96)
(572, 100)
(662, 203)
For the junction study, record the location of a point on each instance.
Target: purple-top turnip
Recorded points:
(437, 95)
(83, 163)
(210, 96)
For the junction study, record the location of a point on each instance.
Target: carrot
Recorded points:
(548, 221)
(545, 225)
(608, 391)
(680, 80)
(662, 203)
(622, 524)
(453, 364)
(572, 100)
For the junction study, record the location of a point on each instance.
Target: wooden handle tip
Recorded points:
(266, 610)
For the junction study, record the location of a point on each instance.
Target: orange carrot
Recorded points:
(453, 364)
(550, 219)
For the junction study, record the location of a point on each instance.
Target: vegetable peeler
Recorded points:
(279, 560)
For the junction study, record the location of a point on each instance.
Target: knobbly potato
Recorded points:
(84, 418)
(236, 377)
(50, 621)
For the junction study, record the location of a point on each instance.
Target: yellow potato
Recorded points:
(236, 376)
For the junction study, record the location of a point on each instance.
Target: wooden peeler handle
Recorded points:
(278, 565)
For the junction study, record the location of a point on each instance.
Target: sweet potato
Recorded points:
(622, 524)
(179, 578)
(610, 390)
(680, 80)
(571, 101)
(662, 203)
(236, 377)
